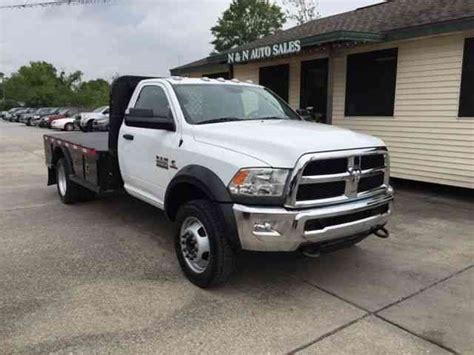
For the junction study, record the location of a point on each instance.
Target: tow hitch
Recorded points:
(382, 232)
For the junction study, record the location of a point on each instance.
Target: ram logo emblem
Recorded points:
(162, 162)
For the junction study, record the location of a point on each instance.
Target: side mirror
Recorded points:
(144, 118)
(308, 114)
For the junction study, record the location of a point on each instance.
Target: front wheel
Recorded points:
(203, 252)
(69, 127)
(89, 127)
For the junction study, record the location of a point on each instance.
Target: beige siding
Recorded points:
(427, 141)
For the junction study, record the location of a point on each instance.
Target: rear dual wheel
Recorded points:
(69, 192)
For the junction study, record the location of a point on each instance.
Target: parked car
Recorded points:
(24, 117)
(27, 118)
(100, 124)
(46, 111)
(86, 119)
(64, 112)
(28, 113)
(16, 116)
(247, 175)
(7, 115)
(63, 124)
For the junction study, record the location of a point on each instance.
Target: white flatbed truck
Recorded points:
(233, 166)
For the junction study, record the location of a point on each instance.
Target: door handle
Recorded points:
(128, 137)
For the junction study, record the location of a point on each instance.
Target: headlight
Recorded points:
(259, 182)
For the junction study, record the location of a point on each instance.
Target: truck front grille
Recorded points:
(370, 182)
(327, 178)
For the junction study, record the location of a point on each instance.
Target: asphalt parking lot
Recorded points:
(101, 276)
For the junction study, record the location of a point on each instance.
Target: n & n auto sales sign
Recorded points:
(264, 52)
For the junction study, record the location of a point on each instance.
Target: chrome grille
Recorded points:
(334, 177)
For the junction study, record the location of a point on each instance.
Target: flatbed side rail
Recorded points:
(84, 162)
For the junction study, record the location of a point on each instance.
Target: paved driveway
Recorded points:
(101, 276)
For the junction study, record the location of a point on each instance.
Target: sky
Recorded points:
(138, 37)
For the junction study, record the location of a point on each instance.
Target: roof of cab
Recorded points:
(178, 80)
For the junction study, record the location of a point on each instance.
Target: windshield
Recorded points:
(43, 110)
(206, 103)
(100, 109)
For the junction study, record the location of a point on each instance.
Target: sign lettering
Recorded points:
(264, 52)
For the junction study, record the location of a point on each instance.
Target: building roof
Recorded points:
(389, 20)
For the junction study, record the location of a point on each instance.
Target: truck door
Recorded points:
(144, 152)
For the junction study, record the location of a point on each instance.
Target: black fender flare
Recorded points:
(214, 190)
(204, 179)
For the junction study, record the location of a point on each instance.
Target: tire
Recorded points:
(197, 220)
(89, 126)
(68, 191)
(69, 127)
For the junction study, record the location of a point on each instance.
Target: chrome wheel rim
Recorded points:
(62, 180)
(194, 242)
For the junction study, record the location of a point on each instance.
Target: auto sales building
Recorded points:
(402, 70)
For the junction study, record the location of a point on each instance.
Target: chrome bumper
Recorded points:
(281, 229)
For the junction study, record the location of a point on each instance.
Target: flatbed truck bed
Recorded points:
(93, 165)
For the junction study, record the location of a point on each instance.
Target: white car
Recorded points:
(63, 124)
(87, 118)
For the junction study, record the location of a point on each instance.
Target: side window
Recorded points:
(106, 112)
(153, 98)
(370, 83)
(466, 100)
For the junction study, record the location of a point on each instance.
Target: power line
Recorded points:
(54, 3)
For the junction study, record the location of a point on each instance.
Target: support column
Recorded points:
(331, 72)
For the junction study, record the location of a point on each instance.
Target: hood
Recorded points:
(55, 117)
(279, 143)
(60, 121)
(92, 115)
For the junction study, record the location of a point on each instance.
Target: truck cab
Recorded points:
(237, 169)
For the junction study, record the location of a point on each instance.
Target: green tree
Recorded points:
(245, 21)
(302, 11)
(92, 93)
(39, 84)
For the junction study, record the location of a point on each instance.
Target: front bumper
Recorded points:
(281, 229)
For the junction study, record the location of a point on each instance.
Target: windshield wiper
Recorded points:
(270, 118)
(220, 119)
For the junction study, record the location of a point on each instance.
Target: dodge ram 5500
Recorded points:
(233, 166)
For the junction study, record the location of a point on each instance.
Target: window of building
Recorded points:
(153, 98)
(276, 78)
(466, 101)
(223, 75)
(370, 83)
